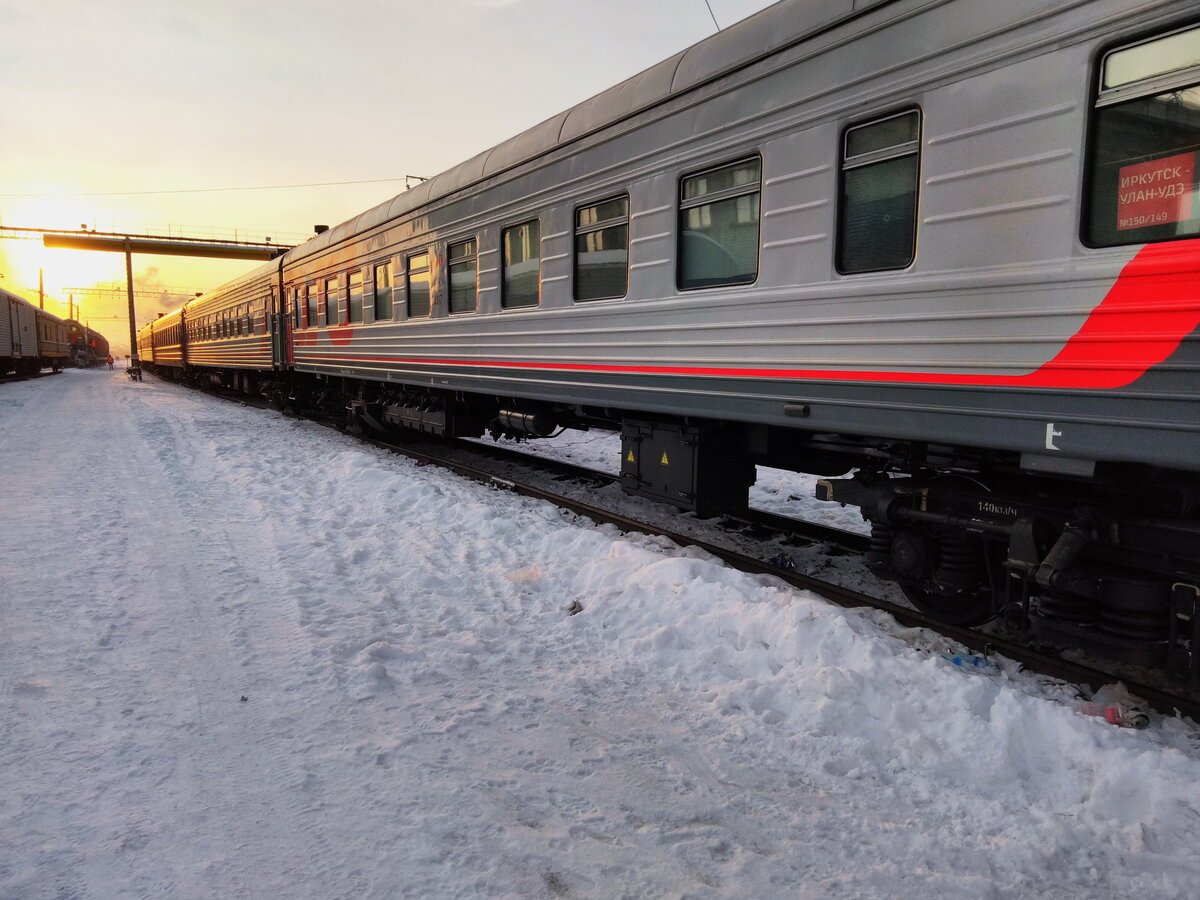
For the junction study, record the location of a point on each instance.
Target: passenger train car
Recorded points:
(31, 339)
(946, 246)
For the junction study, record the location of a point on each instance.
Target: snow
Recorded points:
(422, 716)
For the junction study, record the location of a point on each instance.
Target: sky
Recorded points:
(109, 107)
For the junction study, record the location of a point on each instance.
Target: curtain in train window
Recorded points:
(462, 267)
(602, 250)
(312, 293)
(878, 203)
(420, 302)
(354, 302)
(332, 300)
(522, 249)
(718, 226)
(1144, 183)
(382, 287)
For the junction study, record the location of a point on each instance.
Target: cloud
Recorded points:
(153, 295)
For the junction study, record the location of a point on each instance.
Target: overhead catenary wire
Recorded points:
(710, 12)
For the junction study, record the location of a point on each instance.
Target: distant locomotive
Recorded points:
(31, 339)
(88, 347)
(947, 247)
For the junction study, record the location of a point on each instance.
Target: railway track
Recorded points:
(1034, 659)
(12, 379)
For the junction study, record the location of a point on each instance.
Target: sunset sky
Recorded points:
(109, 107)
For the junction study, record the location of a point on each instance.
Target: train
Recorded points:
(942, 255)
(31, 339)
(88, 347)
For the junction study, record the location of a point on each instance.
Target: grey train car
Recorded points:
(168, 350)
(145, 346)
(31, 339)
(53, 340)
(231, 337)
(18, 335)
(230, 332)
(946, 249)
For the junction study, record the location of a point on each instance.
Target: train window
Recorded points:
(383, 292)
(419, 301)
(354, 300)
(878, 200)
(522, 251)
(602, 250)
(310, 292)
(1144, 175)
(463, 265)
(295, 308)
(718, 225)
(332, 302)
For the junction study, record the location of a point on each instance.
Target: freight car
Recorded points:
(947, 247)
(31, 339)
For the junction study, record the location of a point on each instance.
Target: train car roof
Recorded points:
(36, 309)
(267, 270)
(778, 26)
(49, 315)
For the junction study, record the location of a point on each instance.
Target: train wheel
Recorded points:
(965, 608)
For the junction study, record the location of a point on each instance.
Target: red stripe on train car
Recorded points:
(1150, 309)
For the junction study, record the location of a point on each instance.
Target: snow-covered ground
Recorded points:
(244, 656)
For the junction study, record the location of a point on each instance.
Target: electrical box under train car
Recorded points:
(692, 467)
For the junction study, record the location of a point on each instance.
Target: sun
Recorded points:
(62, 270)
(22, 257)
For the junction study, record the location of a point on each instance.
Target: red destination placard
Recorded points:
(1156, 192)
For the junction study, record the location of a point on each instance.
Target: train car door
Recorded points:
(287, 350)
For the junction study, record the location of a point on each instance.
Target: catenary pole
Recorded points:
(133, 353)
